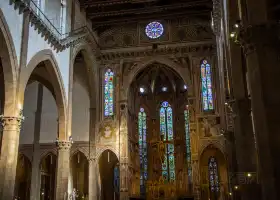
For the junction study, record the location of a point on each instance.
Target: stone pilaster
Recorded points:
(63, 169)
(261, 47)
(9, 155)
(123, 150)
(93, 191)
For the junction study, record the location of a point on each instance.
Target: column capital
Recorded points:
(256, 36)
(63, 145)
(11, 122)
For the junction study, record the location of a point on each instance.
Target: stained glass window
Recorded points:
(206, 86)
(166, 130)
(116, 178)
(213, 175)
(188, 141)
(109, 93)
(154, 30)
(142, 131)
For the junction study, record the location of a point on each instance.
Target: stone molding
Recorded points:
(216, 16)
(175, 51)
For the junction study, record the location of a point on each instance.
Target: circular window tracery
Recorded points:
(154, 30)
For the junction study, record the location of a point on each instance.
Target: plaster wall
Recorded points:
(29, 110)
(15, 24)
(80, 104)
(36, 43)
(49, 124)
(49, 116)
(52, 11)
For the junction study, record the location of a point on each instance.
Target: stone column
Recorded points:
(261, 46)
(123, 150)
(93, 163)
(246, 153)
(9, 155)
(63, 169)
(93, 191)
(35, 176)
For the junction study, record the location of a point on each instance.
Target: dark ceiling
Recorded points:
(107, 13)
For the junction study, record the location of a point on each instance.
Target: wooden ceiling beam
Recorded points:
(153, 9)
(93, 3)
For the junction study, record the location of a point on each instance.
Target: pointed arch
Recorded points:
(54, 77)
(166, 131)
(10, 65)
(184, 73)
(206, 86)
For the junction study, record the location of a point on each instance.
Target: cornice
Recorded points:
(181, 49)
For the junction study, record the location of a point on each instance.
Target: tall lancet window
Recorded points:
(188, 141)
(166, 130)
(214, 183)
(142, 131)
(206, 86)
(109, 93)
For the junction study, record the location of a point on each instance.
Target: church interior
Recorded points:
(139, 99)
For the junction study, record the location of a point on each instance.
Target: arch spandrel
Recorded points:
(10, 66)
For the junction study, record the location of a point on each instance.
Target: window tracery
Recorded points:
(213, 175)
(154, 30)
(109, 93)
(166, 130)
(206, 86)
(142, 131)
(188, 141)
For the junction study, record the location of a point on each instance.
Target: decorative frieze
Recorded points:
(174, 50)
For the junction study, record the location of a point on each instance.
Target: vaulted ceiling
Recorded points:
(107, 13)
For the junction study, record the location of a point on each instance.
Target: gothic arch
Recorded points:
(169, 63)
(212, 151)
(86, 52)
(46, 152)
(206, 144)
(54, 77)
(99, 153)
(82, 150)
(10, 66)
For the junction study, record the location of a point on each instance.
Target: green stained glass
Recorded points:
(143, 153)
(166, 130)
(188, 141)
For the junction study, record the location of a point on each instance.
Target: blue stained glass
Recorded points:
(166, 130)
(142, 131)
(154, 30)
(109, 93)
(214, 183)
(206, 86)
(188, 141)
(116, 178)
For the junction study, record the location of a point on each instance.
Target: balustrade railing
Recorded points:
(43, 22)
